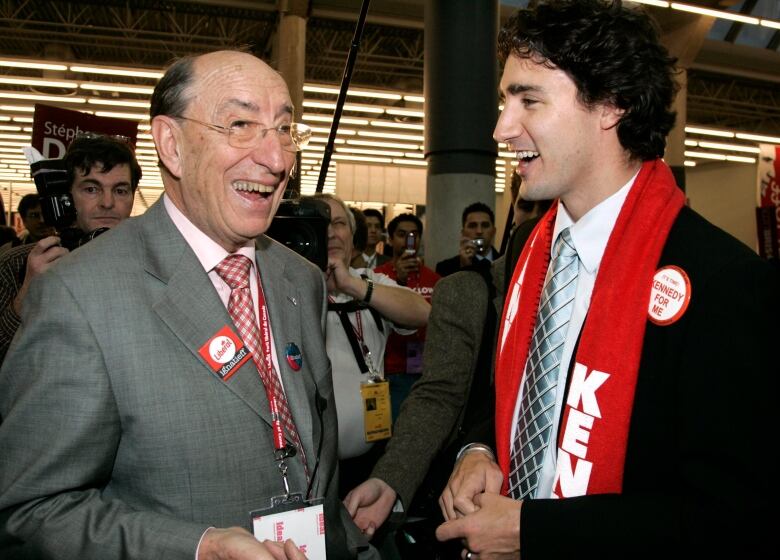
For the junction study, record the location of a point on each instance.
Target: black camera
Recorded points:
(57, 206)
(53, 185)
(302, 225)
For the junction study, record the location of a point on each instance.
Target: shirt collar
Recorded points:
(208, 251)
(590, 233)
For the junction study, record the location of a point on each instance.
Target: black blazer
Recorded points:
(698, 476)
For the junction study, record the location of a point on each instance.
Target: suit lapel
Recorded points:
(190, 306)
(283, 299)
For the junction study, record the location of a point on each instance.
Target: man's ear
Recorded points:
(610, 116)
(166, 132)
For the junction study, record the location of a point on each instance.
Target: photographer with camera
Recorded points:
(102, 174)
(29, 209)
(476, 243)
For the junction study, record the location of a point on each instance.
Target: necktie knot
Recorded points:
(564, 246)
(234, 270)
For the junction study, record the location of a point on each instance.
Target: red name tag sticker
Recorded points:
(669, 296)
(225, 353)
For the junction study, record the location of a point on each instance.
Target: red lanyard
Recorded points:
(268, 364)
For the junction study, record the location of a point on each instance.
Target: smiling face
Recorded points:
(231, 194)
(563, 148)
(102, 199)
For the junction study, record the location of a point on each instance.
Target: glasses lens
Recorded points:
(300, 134)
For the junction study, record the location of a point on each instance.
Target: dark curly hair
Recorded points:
(612, 54)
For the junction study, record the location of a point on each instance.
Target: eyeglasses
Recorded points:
(246, 134)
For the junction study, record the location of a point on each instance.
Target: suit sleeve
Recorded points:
(707, 486)
(60, 434)
(430, 412)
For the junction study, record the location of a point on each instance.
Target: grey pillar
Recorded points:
(461, 107)
(291, 63)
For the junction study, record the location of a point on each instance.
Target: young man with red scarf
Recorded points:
(634, 368)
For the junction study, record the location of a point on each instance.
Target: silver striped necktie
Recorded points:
(535, 417)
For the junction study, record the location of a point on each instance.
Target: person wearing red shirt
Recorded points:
(403, 358)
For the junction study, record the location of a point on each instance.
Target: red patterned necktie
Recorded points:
(234, 270)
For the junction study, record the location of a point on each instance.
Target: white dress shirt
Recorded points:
(589, 235)
(210, 254)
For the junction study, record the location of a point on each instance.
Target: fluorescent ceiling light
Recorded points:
(331, 90)
(741, 159)
(709, 131)
(691, 142)
(10, 127)
(135, 73)
(348, 150)
(39, 97)
(329, 119)
(507, 154)
(95, 86)
(119, 103)
(731, 147)
(348, 157)
(415, 155)
(690, 163)
(15, 136)
(770, 23)
(321, 140)
(414, 98)
(758, 138)
(377, 144)
(20, 119)
(36, 82)
(24, 108)
(714, 13)
(410, 162)
(388, 124)
(391, 135)
(339, 131)
(128, 116)
(32, 65)
(347, 107)
(705, 155)
(656, 3)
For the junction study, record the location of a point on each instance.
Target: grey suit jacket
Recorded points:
(434, 409)
(118, 440)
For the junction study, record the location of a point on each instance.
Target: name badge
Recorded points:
(377, 413)
(292, 517)
(225, 353)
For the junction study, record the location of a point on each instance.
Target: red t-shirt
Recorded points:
(404, 353)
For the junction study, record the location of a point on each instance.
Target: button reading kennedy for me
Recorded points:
(669, 296)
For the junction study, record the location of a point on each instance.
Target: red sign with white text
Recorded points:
(55, 128)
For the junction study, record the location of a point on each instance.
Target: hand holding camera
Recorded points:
(408, 264)
(470, 247)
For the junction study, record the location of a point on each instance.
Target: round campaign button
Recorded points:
(669, 296)
(222, 349)
(293, 355)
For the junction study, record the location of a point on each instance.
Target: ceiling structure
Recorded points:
(732, 79)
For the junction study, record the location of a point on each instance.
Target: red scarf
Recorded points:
(596, 415)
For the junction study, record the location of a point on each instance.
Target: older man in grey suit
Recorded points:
(126, 432)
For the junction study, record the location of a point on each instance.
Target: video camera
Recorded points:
(57, 206)
(302, 225)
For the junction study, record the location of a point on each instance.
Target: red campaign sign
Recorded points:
(55, 128)
(769, 203)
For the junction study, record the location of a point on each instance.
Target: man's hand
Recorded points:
(474, 474)
(41, 257)
(406, 264)
(467, 251)
(338, 279)
(369, 504)
(238, 544)
(492, 532)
